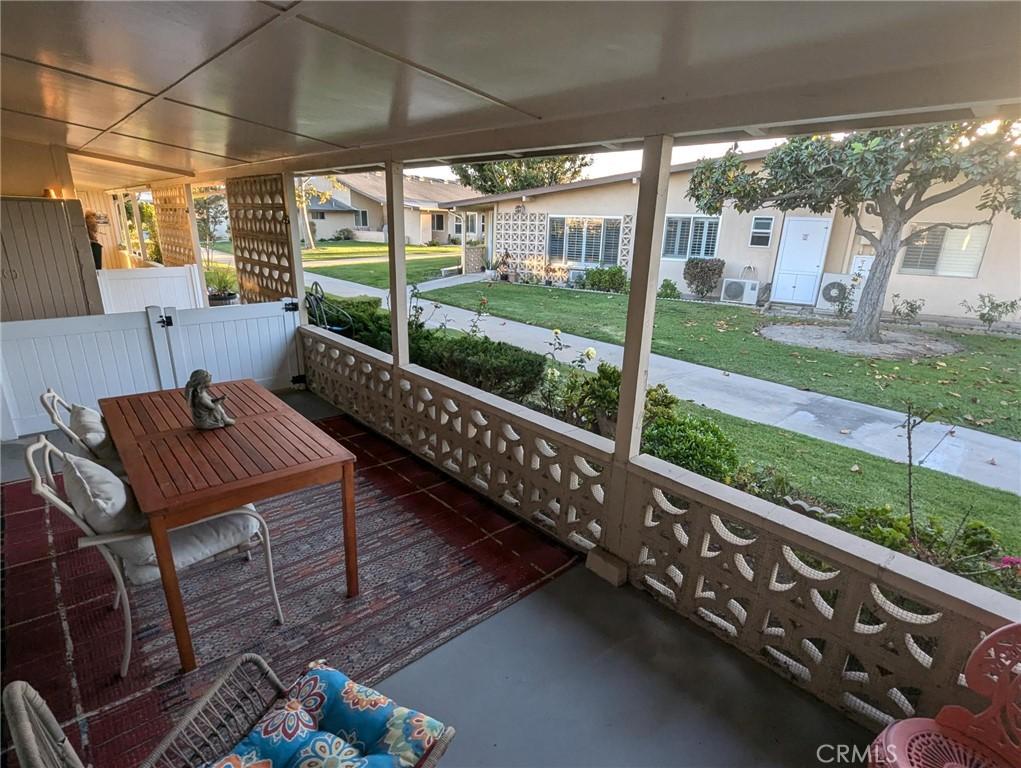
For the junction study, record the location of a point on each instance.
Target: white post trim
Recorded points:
(398, 272)
(136, 214)
(641, 307)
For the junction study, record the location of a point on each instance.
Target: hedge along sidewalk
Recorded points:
(872, 430)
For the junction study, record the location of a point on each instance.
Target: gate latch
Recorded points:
(166, 322)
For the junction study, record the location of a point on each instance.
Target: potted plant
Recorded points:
(222, 285)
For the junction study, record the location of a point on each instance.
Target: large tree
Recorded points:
(512, 175)
(210, 214)
(307, 188)
(895, 176)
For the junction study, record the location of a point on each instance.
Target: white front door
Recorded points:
(799, 263)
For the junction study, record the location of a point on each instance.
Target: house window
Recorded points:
(690, 237)
(946, 252)
(362, 219)
(472, 220)
(438, 222)
(457, 226)
(483, 223)
(762, 232)
(589, 240)
(317, 215)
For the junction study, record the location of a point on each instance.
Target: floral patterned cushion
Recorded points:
(327, 720)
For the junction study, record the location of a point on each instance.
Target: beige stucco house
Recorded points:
(590, 223)
(358, 203)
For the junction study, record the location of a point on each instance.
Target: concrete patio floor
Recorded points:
(952, 449)
(582, 674)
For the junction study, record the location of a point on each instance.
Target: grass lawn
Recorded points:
(378, 275)
(979, 388)
(824, 470)
(354, 249)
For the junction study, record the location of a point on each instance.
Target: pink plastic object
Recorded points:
(957, 738)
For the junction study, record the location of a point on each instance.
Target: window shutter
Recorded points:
(575, 239)
(697, 238)
(556, 237)
(593, 240)
(922, 255)
(670, 236)
(962, 251)
(611, 241)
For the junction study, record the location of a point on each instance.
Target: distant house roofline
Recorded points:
(371, 184)
(583, 183)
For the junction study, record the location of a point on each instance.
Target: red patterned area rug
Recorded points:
(434, 558)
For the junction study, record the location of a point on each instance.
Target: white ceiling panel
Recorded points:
(206, 131)
(42, 130)
(559, 59)
(50, 93)
(144, 45)
(150, 152)
(297, 77)
(93, 173)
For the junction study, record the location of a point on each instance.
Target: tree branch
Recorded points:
(920, 205)
(919, 232)
(866, 233)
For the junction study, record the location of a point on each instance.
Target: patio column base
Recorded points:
(606, 566)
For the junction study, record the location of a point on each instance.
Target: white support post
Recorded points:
(398, 274)
(196, 247)
(641, 307)
(297, 266)
(137, 215)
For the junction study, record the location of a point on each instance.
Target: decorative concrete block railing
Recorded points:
(876, 634)
(474, 258)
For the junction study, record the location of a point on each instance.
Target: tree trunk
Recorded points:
(310, 239)
(865, 325)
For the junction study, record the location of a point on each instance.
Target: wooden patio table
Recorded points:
(181, 474)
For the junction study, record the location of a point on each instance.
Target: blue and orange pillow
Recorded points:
(326, 720)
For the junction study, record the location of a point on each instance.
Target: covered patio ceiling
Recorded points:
(213, 89)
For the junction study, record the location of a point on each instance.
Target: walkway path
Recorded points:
(983, 458)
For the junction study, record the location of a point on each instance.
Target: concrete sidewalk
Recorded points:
(977, 456)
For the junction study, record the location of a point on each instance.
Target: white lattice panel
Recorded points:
(261, 232)
(521, 235)
(173, 225)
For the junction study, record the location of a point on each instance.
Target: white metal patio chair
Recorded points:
(89, 438)
(46, 488)
(53, 404)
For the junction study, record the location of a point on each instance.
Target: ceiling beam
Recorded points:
(131, 162)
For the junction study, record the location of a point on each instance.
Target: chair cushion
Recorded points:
(190, 545)
(100, 497)
(90, 428)
(327, 719)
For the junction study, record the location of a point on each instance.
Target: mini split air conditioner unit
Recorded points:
(740, 291)
(834, 289)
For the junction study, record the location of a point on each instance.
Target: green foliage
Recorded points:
(702, 275)
(344, 234)
(820, 172)
(606, 279)
(695, 443)
(668, 290)
(210, 214)
(221, 282)
(989, 310)
(512, 175)
(454, 240)
(906, 309)
(767, 482)
(499, 368)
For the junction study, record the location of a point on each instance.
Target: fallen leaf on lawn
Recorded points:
(856, 469)
(1003, 402)
(940, 364)
(942, 381)
(845, 431)
(992, 461)
(828, 375)
(983, 422)
(968, 417)
(953, 394)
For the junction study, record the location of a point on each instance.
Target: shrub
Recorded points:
(668, 290)
(695, 443)
(494, 366)
(221, 282)
(906, 309)
(344, 234)
(432, 242)
(454, 240)
(702, 275)
(357, 304)
(989, 310)
(607, 279)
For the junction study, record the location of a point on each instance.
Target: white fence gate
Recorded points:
(88, 358)
(132, 290)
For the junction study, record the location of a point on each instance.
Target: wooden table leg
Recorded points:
(172, 591)
(350, 540)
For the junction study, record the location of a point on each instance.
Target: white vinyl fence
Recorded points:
(132, 290)
(88, 358)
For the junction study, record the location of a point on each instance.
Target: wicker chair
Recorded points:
(229, 710)
(35, 733)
